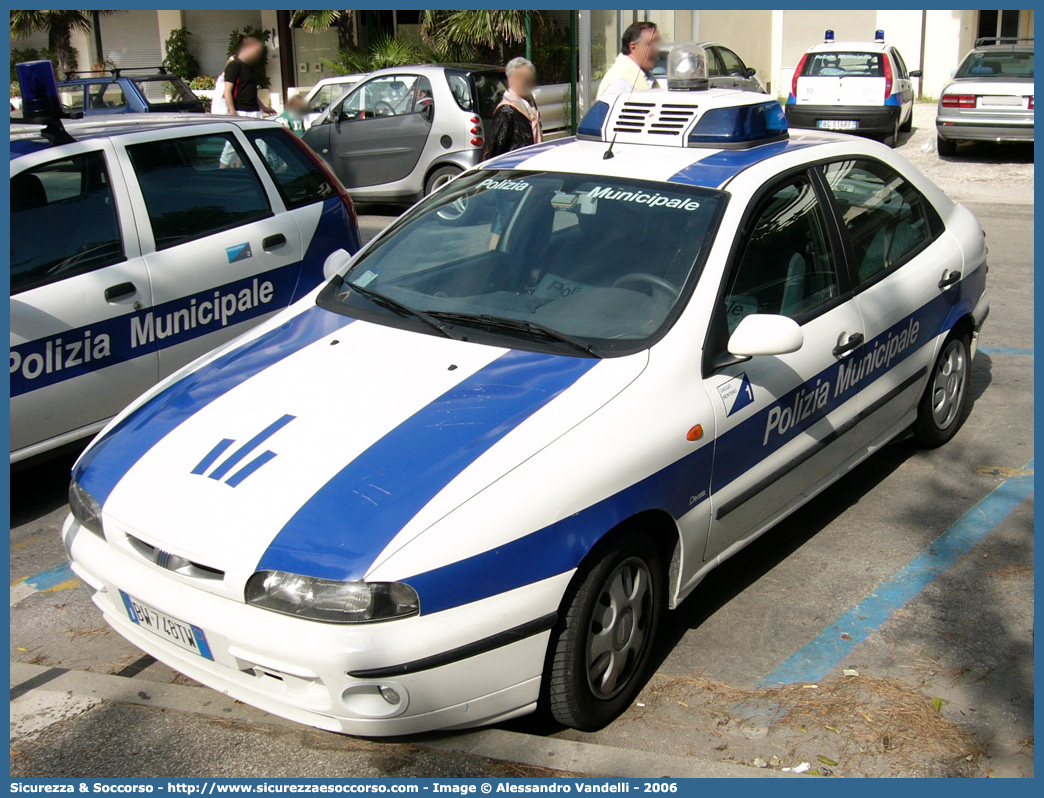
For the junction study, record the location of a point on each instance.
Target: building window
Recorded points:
(998, 23)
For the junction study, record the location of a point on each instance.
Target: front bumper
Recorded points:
(871, 119)
(984, 127)
(299, 669)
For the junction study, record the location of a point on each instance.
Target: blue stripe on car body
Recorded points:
(103, 465)
(334, 231)
(514, 159)
(717, 169)
(341, 530)
(676, 488)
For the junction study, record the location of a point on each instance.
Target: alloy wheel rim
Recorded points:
(948, 384)
(619, 628)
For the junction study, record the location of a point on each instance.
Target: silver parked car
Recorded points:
(405, 131)
(725, 69)
(990, 97)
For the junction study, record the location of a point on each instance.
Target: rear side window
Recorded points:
(71, 98)
(63, 221)
(787, 266)
(197, 186)
(887, 219)
(300, 182)
(106, 96)
(844, 65)
(489, 88)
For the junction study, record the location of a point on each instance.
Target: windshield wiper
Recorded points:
(395, 306)
(514, 325)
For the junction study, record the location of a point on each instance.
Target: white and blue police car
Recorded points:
(855, 87)
(468, 476)
(140, 242)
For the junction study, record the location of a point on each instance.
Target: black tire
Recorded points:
(944, 405)
(892, 139)
(907, 126)
(440, 177)
(947, 147)
(584, 697)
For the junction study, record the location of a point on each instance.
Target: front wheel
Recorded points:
(945, 401)
(601, 645)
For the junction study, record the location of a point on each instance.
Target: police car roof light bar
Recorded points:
(40, 101)
(828, 37)
(879, 36)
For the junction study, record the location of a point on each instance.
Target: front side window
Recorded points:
(299, 180)
(844, 65)
(541, 258)
(196, 186)
(887, 219)
(395, 95)
(63, 221)
(786, 267)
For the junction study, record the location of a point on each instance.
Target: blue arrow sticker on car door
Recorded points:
(239, 252)
(737, 393)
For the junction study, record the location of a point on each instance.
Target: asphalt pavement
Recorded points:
(897, 606)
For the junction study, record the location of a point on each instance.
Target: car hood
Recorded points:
(310, 447)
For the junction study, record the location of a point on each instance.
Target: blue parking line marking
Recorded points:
(1004, 350)
(51, 577)
(815, 660)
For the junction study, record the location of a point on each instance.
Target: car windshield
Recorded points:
(548, 260)
(165, 90)
(986, 64)
(844, 65)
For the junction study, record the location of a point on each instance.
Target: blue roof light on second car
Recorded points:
(741, 126)
(828, 37)
(879, 36)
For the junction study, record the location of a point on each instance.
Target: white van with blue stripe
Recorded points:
(466, 478)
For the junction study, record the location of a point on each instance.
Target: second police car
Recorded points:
(141, 241)
(855, 87)
(468, 476)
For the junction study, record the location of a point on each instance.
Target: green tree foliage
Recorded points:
(179, 60)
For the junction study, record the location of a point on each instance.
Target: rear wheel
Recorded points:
(439, 178)
(947, 147)
(907, 126)
(601, 645)
(892, 139)
(945, 401)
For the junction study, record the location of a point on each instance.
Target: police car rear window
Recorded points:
(605, 261)
(844, 65)
(298, 180)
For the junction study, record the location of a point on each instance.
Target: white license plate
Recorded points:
(184, 635)
(1016, 102)
(837, 124)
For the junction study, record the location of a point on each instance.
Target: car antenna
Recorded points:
(609, 152)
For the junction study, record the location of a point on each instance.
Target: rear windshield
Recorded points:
(994, 65)
(844, 65)
(605, 261)
(165, 90)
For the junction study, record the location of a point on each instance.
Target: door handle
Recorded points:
(949, 279)
(271, 242)
(114, 293)
(855, 340)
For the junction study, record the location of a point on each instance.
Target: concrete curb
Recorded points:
(28, 681)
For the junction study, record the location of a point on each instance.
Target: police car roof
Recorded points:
(858, 47)
(126, 124)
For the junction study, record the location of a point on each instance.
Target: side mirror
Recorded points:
(916, 73)
(765, 334)
(751, 72)
(335, 263)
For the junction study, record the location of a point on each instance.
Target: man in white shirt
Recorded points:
(634, 64)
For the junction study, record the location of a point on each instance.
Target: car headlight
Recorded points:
(85, 508)
(331, 601)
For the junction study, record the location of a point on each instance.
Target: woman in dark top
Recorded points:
(516, 120)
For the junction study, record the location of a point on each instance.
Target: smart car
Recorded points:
(140, 242)
(404, 132)
(856, 87)
(467, 477)
(991, 96)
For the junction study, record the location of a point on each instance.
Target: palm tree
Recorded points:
(469, 30)
(316, 21)
(59, 26)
